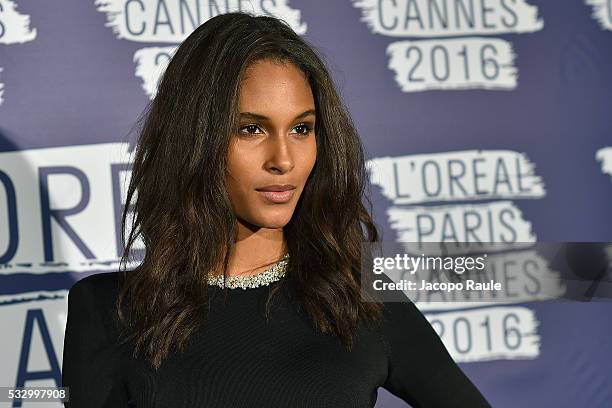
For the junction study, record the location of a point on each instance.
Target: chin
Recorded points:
(274, 223)
(274, 220)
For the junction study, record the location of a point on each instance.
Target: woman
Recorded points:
(249, 176)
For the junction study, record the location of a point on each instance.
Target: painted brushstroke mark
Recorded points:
(524, 276)
(78, 193)
(442, 18)
(151, 62)
(33, 340)
(413, 182)
(602, 12)
(14, 29)
(489, 334)
(35, 296)
(14, 26)
(1, 88)
(498, 221)
(604, 155)
(172, 22)
(161, 22)
(456, 176)
(460, 63)
(39, 268)
(435, 61)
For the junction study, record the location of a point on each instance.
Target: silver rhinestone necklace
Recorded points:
(272, 274)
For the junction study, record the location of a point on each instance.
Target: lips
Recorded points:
(277, 193)
(277, 187)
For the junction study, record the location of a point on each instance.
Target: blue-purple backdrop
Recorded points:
(483, 116)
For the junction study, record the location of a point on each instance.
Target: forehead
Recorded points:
(271, 85)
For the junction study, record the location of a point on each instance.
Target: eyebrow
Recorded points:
(251, 115)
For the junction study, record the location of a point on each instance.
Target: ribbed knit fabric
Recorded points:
(238, 359)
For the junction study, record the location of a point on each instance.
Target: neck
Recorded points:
(256, 249)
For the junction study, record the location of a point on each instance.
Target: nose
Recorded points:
(279, 157)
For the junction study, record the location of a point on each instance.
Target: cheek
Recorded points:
(239, 178)
(233, 176)
(236, 179)
(309, 157)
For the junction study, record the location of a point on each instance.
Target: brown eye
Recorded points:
(249, 129)
(305, 129)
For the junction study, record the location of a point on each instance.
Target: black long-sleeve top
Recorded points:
(238, 359)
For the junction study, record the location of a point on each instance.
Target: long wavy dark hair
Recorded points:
(182, 210)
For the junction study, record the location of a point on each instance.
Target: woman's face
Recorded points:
(274, 147)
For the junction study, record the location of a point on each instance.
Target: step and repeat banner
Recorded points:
(483, 120)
